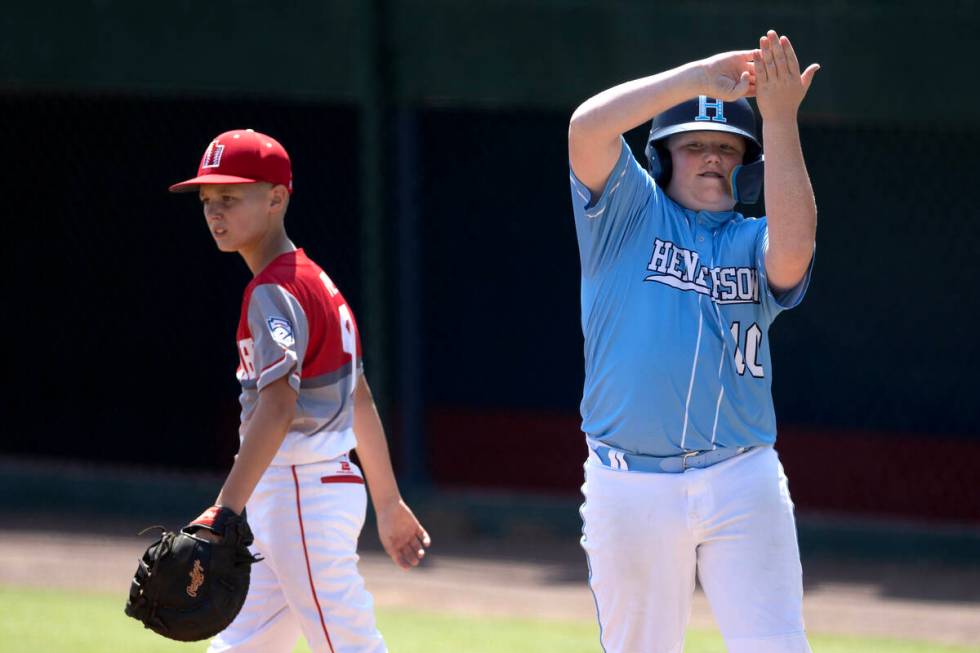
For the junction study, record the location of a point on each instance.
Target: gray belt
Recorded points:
(670, 464)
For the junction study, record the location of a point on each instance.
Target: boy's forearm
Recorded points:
(623, 107)
(790, 205)
(372, 448)
(264, 433)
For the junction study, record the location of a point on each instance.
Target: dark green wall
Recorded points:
(883, 62)
(294, 49)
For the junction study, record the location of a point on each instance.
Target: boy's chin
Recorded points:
(714, 204)
(228, 248)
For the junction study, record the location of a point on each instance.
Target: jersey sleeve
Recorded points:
(280, 333)
(777, 302)
(604, 224)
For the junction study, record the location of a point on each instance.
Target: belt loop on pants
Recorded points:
(615, 459)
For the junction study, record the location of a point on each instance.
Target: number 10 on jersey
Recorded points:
(747, 352)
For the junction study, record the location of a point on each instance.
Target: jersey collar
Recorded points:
(709, 218)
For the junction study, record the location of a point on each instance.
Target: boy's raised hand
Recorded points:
(729, 75)
(779, 86)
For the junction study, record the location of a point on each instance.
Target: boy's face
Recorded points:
(702, 165)
(239, 216)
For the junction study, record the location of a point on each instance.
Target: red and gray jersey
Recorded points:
(296, 324)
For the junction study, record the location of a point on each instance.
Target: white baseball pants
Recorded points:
(306, 520)
(646, 535)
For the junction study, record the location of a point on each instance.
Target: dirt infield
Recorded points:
(482, 577)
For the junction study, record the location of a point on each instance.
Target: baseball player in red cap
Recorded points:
(305, 405)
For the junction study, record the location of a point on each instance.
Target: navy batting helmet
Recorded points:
(707, 114)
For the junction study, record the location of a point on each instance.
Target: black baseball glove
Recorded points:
(189, 588)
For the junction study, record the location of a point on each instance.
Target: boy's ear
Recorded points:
(278, 196)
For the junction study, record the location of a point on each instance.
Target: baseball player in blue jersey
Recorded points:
(678, 292)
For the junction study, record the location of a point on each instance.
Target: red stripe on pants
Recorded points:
(309, 573)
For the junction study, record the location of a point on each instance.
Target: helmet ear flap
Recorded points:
(659, 163)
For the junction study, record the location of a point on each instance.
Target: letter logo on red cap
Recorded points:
(212, 155)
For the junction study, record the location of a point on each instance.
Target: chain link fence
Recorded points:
(123, 313)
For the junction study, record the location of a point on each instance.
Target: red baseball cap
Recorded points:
(241, 156)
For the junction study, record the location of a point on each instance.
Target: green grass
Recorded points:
(44, 621)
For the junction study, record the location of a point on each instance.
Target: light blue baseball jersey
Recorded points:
(676, 311)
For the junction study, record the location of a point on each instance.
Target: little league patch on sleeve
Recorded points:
(282, 331)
